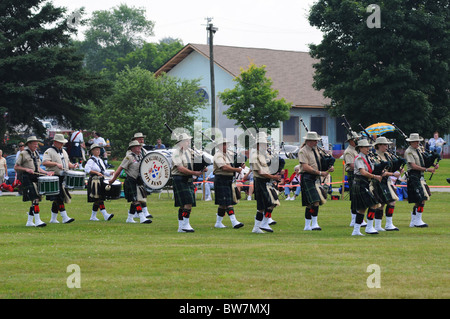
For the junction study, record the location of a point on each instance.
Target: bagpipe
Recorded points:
(238, 161)
(274, 157)
(379, 164)
(200, 159)
(429, 157)
(326, 160)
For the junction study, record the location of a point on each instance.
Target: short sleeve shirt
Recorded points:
(306, 156)
(53, 155)
(221, 159)
(412, 156)
(131, 164)
(25, 159)
(181, 157)
(349, 157)
(259, 163)
(362, 162)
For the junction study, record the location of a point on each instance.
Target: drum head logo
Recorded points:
(155, 170)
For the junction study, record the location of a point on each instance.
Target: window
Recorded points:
(290, 130)
(319, 125)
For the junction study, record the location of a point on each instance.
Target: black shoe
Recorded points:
(110, 217)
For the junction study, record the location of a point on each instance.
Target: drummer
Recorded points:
(28, 163)
(133, 186)
(97, 171)
(56, 160)
(141, 139)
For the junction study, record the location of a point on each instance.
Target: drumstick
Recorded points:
(41, 174)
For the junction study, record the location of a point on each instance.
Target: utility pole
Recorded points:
(211, 29)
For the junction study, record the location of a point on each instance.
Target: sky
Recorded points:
(271, 24)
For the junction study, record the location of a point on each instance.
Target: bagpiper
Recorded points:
(310, 182)
(418, 192)
(265, 201)
(362, 195)
(225, 194)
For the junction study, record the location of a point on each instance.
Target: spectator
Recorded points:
(246, 178)
(293, 180)
(436, 143)
(18, 180)
(208, 186)
(77, 147)
(159, 144)
(3, 169)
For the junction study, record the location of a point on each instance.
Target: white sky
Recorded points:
(272, 24)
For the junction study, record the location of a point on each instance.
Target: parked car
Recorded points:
(10, 162)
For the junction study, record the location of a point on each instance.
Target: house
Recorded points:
(291, 73)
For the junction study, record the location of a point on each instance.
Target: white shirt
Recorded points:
(78, 139)
(99, 141)
(91, 165)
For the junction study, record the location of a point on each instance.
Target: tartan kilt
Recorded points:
(134, 191)
(30, 188)
(63, 196)
(416, 192)
(362, 197)
(183, 190)
(223, 190)
(350, 179)
(308, 189)
(95, 190)
(262, 195)
(382, 192)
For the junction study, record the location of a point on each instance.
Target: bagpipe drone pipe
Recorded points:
(200, 159)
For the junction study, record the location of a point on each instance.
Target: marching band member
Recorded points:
(350, 154)
(183, 186)
(261, 177)
(96, 169)
(133, 185)
(362, 197)
(311, 173)
(141, 139)
(225, 195)
(416, 186)
(56, 160)
(384, 188)
(28, 163)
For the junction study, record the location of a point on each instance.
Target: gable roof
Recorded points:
(291, 71)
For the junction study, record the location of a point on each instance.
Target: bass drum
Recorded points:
(155, 169)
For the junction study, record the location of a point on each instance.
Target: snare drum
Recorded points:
(48, 185)
(112, 191)
(75, 180)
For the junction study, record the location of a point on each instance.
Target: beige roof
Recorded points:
(291, 71)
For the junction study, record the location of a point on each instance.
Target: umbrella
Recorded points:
(380, 128)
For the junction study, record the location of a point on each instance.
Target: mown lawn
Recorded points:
(120, 260)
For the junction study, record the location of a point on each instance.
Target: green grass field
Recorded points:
(120, 260)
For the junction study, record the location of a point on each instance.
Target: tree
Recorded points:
(254, 101)
(398, 72)
(113, 34)
(150, 57)
(143, 103)
(41, 75)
